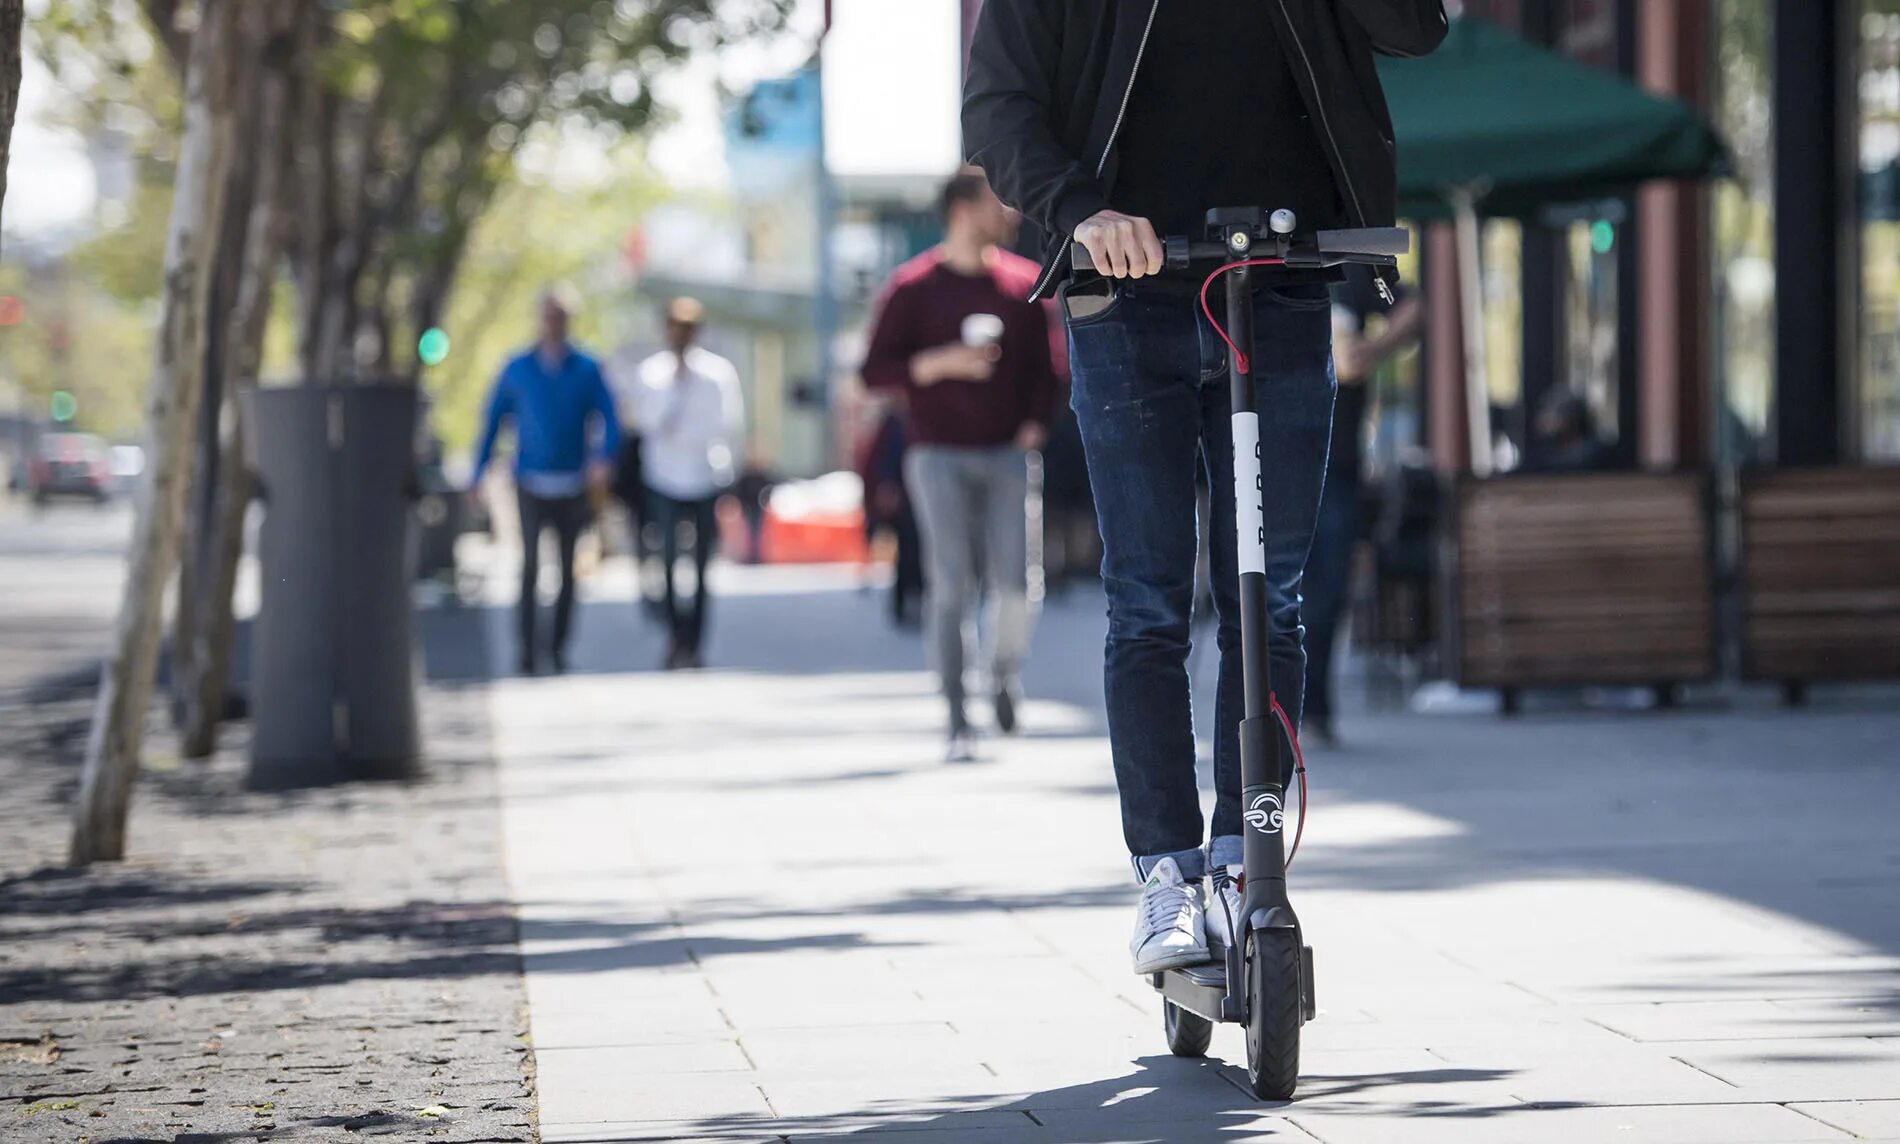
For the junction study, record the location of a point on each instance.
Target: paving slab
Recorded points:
(755, 905)
(1508, 1124)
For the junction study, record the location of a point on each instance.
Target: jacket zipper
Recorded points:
(1332, 142)
(1114, 132)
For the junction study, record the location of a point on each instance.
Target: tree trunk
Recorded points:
(207, 683)
(191, 617)
(12, 19)
(208, 451)
(191, 253)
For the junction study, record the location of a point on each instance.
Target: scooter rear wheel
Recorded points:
(1189, 1034)
(1273, 1014)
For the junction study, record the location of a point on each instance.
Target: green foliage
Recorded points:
(426, 105)
(128, 261)
(114, 73)
(77, 338)
(450, 91)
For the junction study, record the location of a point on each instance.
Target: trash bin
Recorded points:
(334, 670)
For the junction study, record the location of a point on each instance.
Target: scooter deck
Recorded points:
(1202, 989)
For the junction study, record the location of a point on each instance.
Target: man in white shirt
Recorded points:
(691, 416)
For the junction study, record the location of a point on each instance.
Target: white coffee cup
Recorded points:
(982, 330)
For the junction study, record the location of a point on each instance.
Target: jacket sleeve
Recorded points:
(1009, 102)
(500, 405)
(1400, 27)
(892, 344)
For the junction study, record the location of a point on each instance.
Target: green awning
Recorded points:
(1490, 110)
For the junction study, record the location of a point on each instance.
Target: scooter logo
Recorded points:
(1266, 814)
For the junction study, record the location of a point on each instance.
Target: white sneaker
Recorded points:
(962, 747)
(1223, 906)
(1169, 929)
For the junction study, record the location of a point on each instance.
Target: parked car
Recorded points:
(69, 465)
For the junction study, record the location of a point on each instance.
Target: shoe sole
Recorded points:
(1177, 960)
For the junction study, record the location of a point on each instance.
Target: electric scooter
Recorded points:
(1265, 985)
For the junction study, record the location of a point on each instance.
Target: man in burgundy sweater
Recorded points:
(957, 336)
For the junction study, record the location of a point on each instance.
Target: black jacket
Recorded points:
(1049, 81)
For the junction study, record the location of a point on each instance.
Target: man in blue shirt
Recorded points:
(566, 431)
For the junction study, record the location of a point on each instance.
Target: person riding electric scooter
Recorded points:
(1109, 137)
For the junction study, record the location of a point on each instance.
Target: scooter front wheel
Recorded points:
(1189, 1034)
(1273, 1014)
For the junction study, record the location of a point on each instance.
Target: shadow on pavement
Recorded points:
(1164, 1100)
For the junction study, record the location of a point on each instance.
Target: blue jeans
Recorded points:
(1151, 397)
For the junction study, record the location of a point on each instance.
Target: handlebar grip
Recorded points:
(1178, 253)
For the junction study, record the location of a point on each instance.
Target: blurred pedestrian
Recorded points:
(956, 334)
(1112, 125)
(691, 416)
(1564, 436)
(1361, 344)
(887, 508)
(566, 431)
(752, 489)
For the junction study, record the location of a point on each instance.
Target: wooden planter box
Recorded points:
(1820, 577)
(1580, 579)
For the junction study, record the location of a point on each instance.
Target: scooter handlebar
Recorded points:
(1373, 246)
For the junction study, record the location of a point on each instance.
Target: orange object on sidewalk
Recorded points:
(836, 538)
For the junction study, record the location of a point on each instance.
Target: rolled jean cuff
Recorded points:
(1193, 864)
(1225, 850)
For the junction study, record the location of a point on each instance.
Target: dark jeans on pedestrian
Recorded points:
(907, 583)
(687, 625)
(567, 516)
(1329, 588)
(1151, 397)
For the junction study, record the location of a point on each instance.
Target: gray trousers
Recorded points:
(980, 512)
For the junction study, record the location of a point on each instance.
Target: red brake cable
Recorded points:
(1299, 769)
(1244, 359)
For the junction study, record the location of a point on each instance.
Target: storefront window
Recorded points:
(1744, 234)
(1590, 315)
(1879, 313)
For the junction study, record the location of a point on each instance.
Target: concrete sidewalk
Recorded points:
(756, 905)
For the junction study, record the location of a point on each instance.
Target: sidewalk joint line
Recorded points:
(1826, 1123)
(1528, 991)
(1304, 1130)
(1611, 1029)
(1705, 1072)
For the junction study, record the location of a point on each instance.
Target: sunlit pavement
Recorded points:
(61, 568)
(757, 905)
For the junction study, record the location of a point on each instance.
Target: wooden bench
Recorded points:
(1580, 579)
(1820, 575)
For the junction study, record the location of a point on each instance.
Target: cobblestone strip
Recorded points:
(329, 965)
